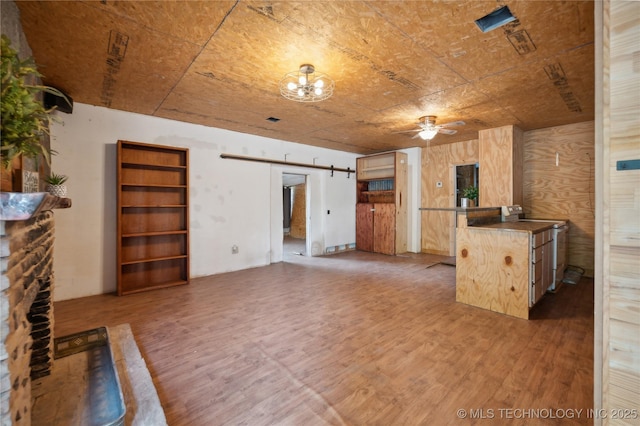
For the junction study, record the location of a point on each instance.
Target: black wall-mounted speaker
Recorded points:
(61, 104)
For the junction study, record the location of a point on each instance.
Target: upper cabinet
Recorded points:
(500, 155)
(381, 212)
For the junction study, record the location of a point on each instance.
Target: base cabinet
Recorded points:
(541, 265)
(375, 232)
(504, 271)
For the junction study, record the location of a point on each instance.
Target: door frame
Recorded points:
(276, 249)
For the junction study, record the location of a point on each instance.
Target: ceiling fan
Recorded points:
(428, 128)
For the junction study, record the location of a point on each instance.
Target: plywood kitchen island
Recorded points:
(503, 267)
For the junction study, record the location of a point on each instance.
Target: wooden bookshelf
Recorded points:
(153, 216)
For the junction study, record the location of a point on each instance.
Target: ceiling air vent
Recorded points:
(495, 19)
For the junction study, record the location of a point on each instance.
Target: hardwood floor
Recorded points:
(353, 338)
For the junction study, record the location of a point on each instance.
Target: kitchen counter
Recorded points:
(529, 226)
(464, 216)
(504, 267)
(461, 209)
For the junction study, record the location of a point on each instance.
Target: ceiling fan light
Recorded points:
(428, 134)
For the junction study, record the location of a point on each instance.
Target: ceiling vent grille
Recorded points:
(495, 19)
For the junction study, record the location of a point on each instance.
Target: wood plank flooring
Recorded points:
(352, 339)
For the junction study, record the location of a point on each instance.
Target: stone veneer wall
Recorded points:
(26, 287)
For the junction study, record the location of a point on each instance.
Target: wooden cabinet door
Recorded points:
(384, 228)
(364, 226)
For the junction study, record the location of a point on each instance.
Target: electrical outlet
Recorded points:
(234, 249)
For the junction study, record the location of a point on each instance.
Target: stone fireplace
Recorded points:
(26, 298)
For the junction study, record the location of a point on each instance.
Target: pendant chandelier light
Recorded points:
(306, 85)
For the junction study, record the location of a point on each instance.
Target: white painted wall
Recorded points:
(232, 202)
(414, 191)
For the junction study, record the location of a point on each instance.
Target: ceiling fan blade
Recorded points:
(447, 131)
(409, 131)
(453, 123)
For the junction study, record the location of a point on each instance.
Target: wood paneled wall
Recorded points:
(500, 182)
(566, 189)
(438, 165)
(549, 192)
(617, 280)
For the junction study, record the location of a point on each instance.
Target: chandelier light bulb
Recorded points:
(319, 84)
(318, 91)
(301, 92)
(291, 86)
(302, 80)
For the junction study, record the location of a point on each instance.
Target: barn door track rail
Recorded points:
(348, 170)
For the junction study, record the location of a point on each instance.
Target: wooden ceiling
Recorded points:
(218, 63)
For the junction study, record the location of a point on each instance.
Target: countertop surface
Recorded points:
(460, 209)
(529, 226)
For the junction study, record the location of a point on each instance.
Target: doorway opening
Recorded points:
(466, 175)
(294, 208)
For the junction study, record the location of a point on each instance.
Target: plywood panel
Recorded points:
(619, 325)
(559, 87)
(500, 154)
(559, 183)
(492, 270)
(518, 166)
(548, 192)
(218, 63)
(299, 212)
(125, 64)
(438, 165)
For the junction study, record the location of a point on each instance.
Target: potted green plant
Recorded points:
(25, 120)
(56, 185)
(469, 196)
